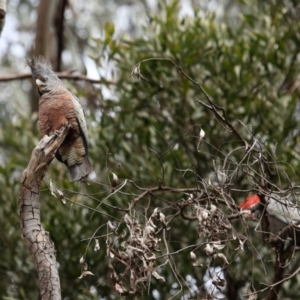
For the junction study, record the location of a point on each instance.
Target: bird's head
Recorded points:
(251, 203)
(45, 78)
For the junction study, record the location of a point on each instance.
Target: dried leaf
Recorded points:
(151, 256)
(150, 222)
(209, 249)
(202, 214)
(197, 264)
(120, 289)
(221, 255)
(241, 246)
(201, 136)
(191, 197)
(108, 252)
(162, 219)
(85, 273)
(141, 279)
(148, 230)
(127, 220)
(84, 266)
(97, 246)
(157, 276)
(111, 255)
(132, 280)
(111, 226)
(194, 259)
(234, 237)
(82, 260)
(193, 256)
(55, 191)
(213, 209)
(52, 188)
(217, 245)
(136, 71)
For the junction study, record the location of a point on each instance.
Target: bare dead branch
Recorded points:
(61, 75)
(39, 244)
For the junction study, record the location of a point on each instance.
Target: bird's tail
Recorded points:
(79, 172)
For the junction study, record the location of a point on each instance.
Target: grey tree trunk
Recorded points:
(2, 14)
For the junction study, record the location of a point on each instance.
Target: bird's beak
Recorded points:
(39, 83)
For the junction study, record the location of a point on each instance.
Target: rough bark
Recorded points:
(59, 26)
(44, 29)
(40, 245)
(280, 262)
(2, 14)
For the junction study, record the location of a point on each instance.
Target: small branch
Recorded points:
(185, 217)
(213, 107)
(39, 244)
(61, 75)
(161, 164)
(285, 278)
(160, 188)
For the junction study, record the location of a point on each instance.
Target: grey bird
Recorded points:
(282, 215)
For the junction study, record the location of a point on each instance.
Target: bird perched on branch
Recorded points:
(282, 216)
(57, 107)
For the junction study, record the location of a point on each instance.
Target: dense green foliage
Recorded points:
(147, 131)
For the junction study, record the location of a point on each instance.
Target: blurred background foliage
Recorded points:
(144, 123)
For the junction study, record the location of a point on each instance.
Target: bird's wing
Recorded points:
(81, 119)
(286, 212)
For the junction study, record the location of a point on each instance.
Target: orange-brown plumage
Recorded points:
(57, 106)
